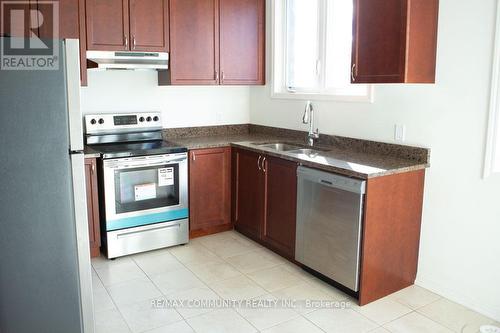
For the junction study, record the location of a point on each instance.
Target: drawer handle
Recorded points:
(126, 234)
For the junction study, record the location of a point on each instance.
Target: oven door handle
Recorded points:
(143, 165)
(131, 233)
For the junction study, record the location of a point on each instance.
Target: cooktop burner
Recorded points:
(130, 149)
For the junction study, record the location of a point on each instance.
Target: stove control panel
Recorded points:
(122, 123)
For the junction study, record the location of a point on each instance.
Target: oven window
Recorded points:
(146, 188)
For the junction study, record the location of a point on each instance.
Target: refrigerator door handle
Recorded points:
(82, 235)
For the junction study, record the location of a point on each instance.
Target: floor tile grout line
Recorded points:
(434, 320)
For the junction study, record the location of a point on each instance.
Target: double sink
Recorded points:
(292, 148)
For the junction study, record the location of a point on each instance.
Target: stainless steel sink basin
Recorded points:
(306, 151)
(280, 146)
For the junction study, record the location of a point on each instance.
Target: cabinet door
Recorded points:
(68, 19)
(395, 41)
(248, 193)
(16, 18)
(242, 41)
(209, 191)
(379, 41)
(92, 206)
(194, 42)
(281, 201)
(149, 25)
(107, 24)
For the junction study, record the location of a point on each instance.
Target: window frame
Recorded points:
(492, 154)
(279, 89)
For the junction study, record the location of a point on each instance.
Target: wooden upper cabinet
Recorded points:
(281, 201)
(149, 25)
(18, 25)
(242, 41)
(395, 41)
(209, 191)
(107, 24)
(68, 19)
(194, 42)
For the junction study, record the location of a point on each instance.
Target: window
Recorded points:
(312, 41)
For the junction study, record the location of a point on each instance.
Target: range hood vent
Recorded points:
(128, 60)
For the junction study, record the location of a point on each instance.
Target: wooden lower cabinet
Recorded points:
(265, 200)
(264, 209)
(209, 191)
(281, 206)
(248, 188)
(92, 206)
(391, 234)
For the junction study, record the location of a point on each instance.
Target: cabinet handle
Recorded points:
(258, 163)
(216, 76)
(194, 156)
(264, 165)
(353, 69)
(134, 42)
(126, 41)
(223, 76)
(93, 168)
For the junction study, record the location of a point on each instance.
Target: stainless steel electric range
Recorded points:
(143, 183)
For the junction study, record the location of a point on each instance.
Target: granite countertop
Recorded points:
(341, 160)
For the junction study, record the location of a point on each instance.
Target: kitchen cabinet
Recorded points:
(107, 23)
(216, 42)
(281, 202)
(149, 25)
(391, 234)
(92, 206)
(264, 209)
(68, 19)
(127, 25)
(249, 191)
(194, 42)
(265, 199)
(395, 41)
(209, 191)
(18, 26)
(242, 42)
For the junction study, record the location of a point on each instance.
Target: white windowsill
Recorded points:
(369, 98)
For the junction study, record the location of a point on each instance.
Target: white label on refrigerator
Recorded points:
(145, 192)
(166, 177)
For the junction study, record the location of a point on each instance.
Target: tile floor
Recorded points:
(230, 266)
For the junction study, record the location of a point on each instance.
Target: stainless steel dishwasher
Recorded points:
(329, 221)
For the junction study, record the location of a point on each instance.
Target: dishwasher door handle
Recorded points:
(326, 182)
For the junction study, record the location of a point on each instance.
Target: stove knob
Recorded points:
(156, 118)
(148, 119)
(93, 122)
(101, 121)
(141, 119)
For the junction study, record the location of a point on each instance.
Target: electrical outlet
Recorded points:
(218, 117)
(400, 132)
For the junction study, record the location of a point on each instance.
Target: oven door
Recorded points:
(145, 190)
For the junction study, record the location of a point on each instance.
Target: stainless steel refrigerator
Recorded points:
(45, 274)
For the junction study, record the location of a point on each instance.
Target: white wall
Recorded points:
(133, 91)
(460, 243)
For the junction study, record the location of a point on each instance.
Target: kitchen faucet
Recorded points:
(308, 118)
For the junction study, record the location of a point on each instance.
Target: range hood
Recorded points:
(128, 60)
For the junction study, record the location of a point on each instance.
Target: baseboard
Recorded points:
(491, 309)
